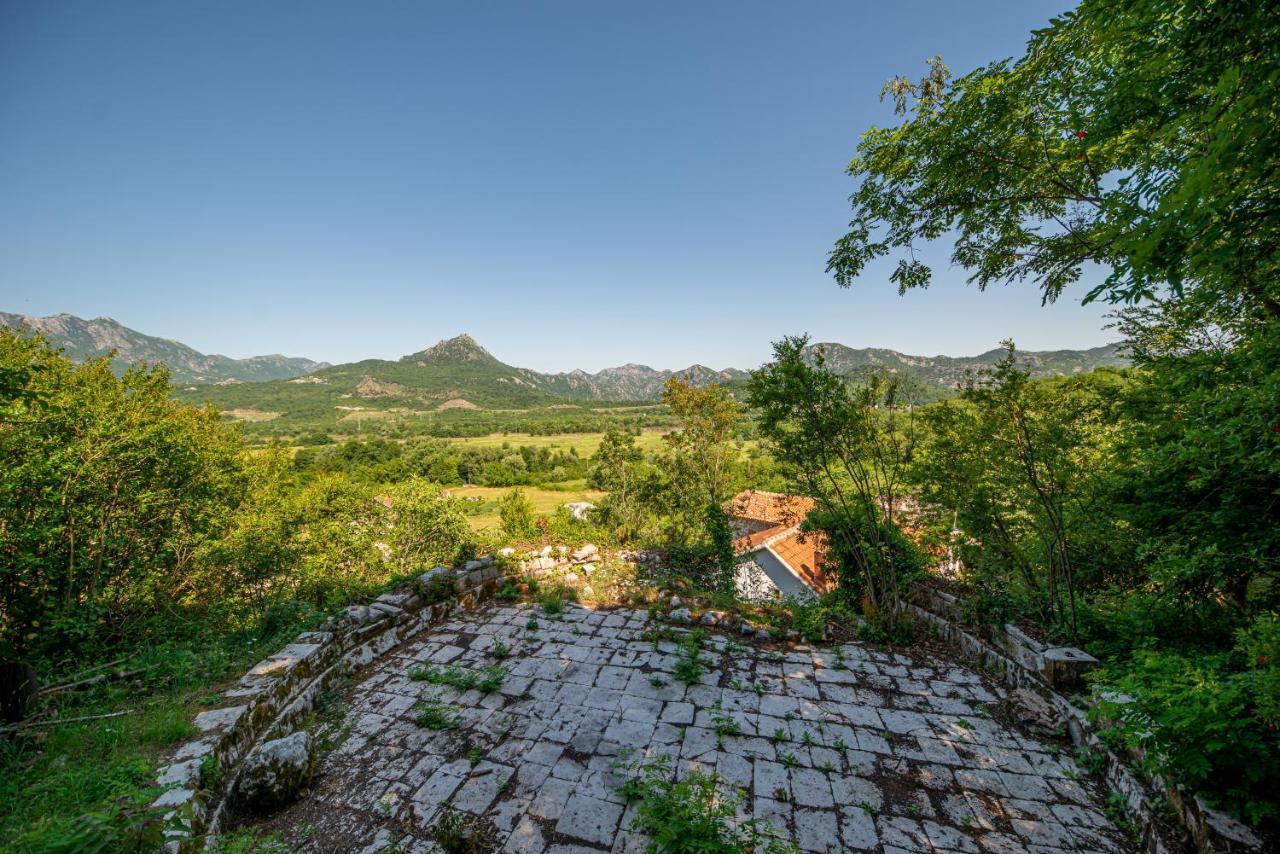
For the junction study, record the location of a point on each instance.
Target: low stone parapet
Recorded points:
(271, 700)
(1056, 673)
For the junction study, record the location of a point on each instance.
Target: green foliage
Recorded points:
(485, 681)
(519, 522)
(428, 529)
(106, 486)
(434, 715)
(1207, 721)
(723, 560)
(84, 786)
(462, 833)
(848, 447)
(707, 418)
(848, 540)
(1136, 511)
(695, 814)
(1136, 134)
(616, 468)
(380, 460)
(689, 663)
(1021, 467)
(211, 773)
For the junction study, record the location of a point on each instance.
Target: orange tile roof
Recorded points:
(801, 552)
(771, 507)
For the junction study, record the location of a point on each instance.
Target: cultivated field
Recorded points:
(585, 443)
(545, 501)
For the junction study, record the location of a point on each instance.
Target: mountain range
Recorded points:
(83, 339)
(460, 373)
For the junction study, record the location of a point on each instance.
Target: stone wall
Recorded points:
(272, 698)
(1054, 674)
(276, 694)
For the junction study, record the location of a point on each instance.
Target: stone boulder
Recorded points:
(680, 615)
(274, 773)
(1065, 667)
(1035, 712)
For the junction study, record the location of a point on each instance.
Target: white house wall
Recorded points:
(762, 575)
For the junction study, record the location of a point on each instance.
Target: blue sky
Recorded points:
(575, 184)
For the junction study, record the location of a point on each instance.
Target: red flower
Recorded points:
(1079, 155)
(1262, 659)
(1081, 134)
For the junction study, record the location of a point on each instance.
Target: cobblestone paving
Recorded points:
(839, 749)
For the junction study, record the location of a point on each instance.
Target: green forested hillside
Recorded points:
(459, 375)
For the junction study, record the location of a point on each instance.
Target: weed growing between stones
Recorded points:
(725, 725)
(693, 814)
(432, 714)
(1115, 809)
(250, 840)
(485, 681)
(439, 588)
(210, 772)
(688, 668)
(460, 833)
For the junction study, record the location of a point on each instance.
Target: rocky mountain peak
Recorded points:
(460, 348)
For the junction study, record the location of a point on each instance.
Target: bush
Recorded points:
(519, 522)
(1207, 721)
(429, 528)
(848, 535)
(106, 486)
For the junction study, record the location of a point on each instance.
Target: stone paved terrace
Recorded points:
(848, 748)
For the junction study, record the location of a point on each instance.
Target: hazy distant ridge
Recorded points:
(459, 371)
(84, 339)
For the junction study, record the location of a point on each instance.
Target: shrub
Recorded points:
(1206, 721)
(519, 521)
(105, 486)
(429, 526)
(432, 714)
(849, 538)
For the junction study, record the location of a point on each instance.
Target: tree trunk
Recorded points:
(17, 690)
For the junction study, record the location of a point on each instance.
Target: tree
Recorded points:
(848, 448)
(519, 521)
(707, 418)
(615, 469)
(341, 524)
(429, 526)
(1135, 134)
(107, 487)
(1139, 136)
(723, 561)
(1022, 467)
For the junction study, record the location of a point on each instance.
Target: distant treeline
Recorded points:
(383, 461)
